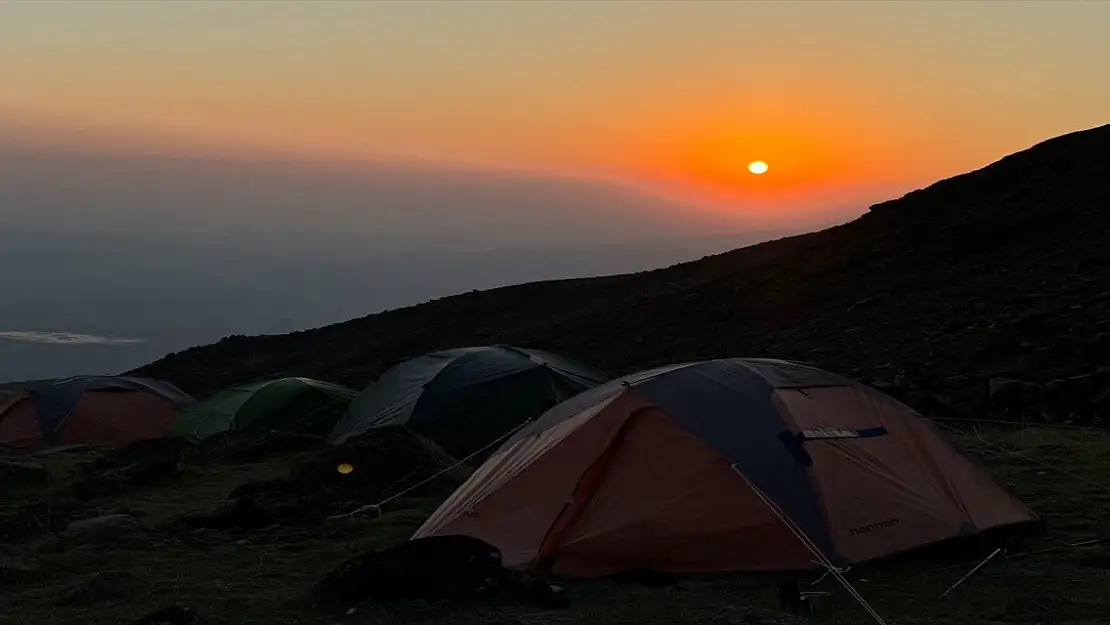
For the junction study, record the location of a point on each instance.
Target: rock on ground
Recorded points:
(755, 616)
(170, 615)
(43, 519)
(15, 474)
(12, 572)
(117, 530)
(1083, 399)
(101, 587)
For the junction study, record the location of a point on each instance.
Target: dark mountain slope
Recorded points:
(1001, 271)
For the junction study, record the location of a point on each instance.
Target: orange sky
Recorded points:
(848, 102)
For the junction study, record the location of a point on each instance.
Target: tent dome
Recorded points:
(723, 465)
(464, 399)
(87, 409)
(291, 405)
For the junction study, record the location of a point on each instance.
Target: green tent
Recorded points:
(294, 405)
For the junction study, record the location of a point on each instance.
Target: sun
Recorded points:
(757, 167)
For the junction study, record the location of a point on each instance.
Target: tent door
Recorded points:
(582, 497)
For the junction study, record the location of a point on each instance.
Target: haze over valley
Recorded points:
(115, 259)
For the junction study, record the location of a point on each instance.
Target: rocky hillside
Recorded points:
(999, 273)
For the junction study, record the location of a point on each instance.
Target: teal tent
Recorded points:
(291, 405)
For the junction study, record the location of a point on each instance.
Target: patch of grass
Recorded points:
(264, 577)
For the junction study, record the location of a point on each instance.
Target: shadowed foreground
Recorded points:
(263, 576)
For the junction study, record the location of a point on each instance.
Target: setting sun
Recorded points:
(757, 167)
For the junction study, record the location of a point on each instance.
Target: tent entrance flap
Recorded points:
(583, 495)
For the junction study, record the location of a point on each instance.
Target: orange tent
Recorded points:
(107, 409)
(723, 465)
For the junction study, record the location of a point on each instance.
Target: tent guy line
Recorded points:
(377, 507)
(822, 559)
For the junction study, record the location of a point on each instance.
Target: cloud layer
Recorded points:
(65, 338)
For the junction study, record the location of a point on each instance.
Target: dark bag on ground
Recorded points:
(424, 568)
(140, 463)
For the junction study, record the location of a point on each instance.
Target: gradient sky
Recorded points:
(849, 102)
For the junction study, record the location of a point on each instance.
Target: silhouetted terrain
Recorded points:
(998, 273)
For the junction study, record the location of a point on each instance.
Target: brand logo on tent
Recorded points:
(863, 529)
(824, 432)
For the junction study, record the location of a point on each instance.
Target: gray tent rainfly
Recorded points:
(466, 398)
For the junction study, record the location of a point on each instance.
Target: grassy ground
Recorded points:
(263, 579)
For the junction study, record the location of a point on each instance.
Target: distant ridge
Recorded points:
(1002, 271)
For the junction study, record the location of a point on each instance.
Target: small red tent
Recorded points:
(108, 409)
(723, 465)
